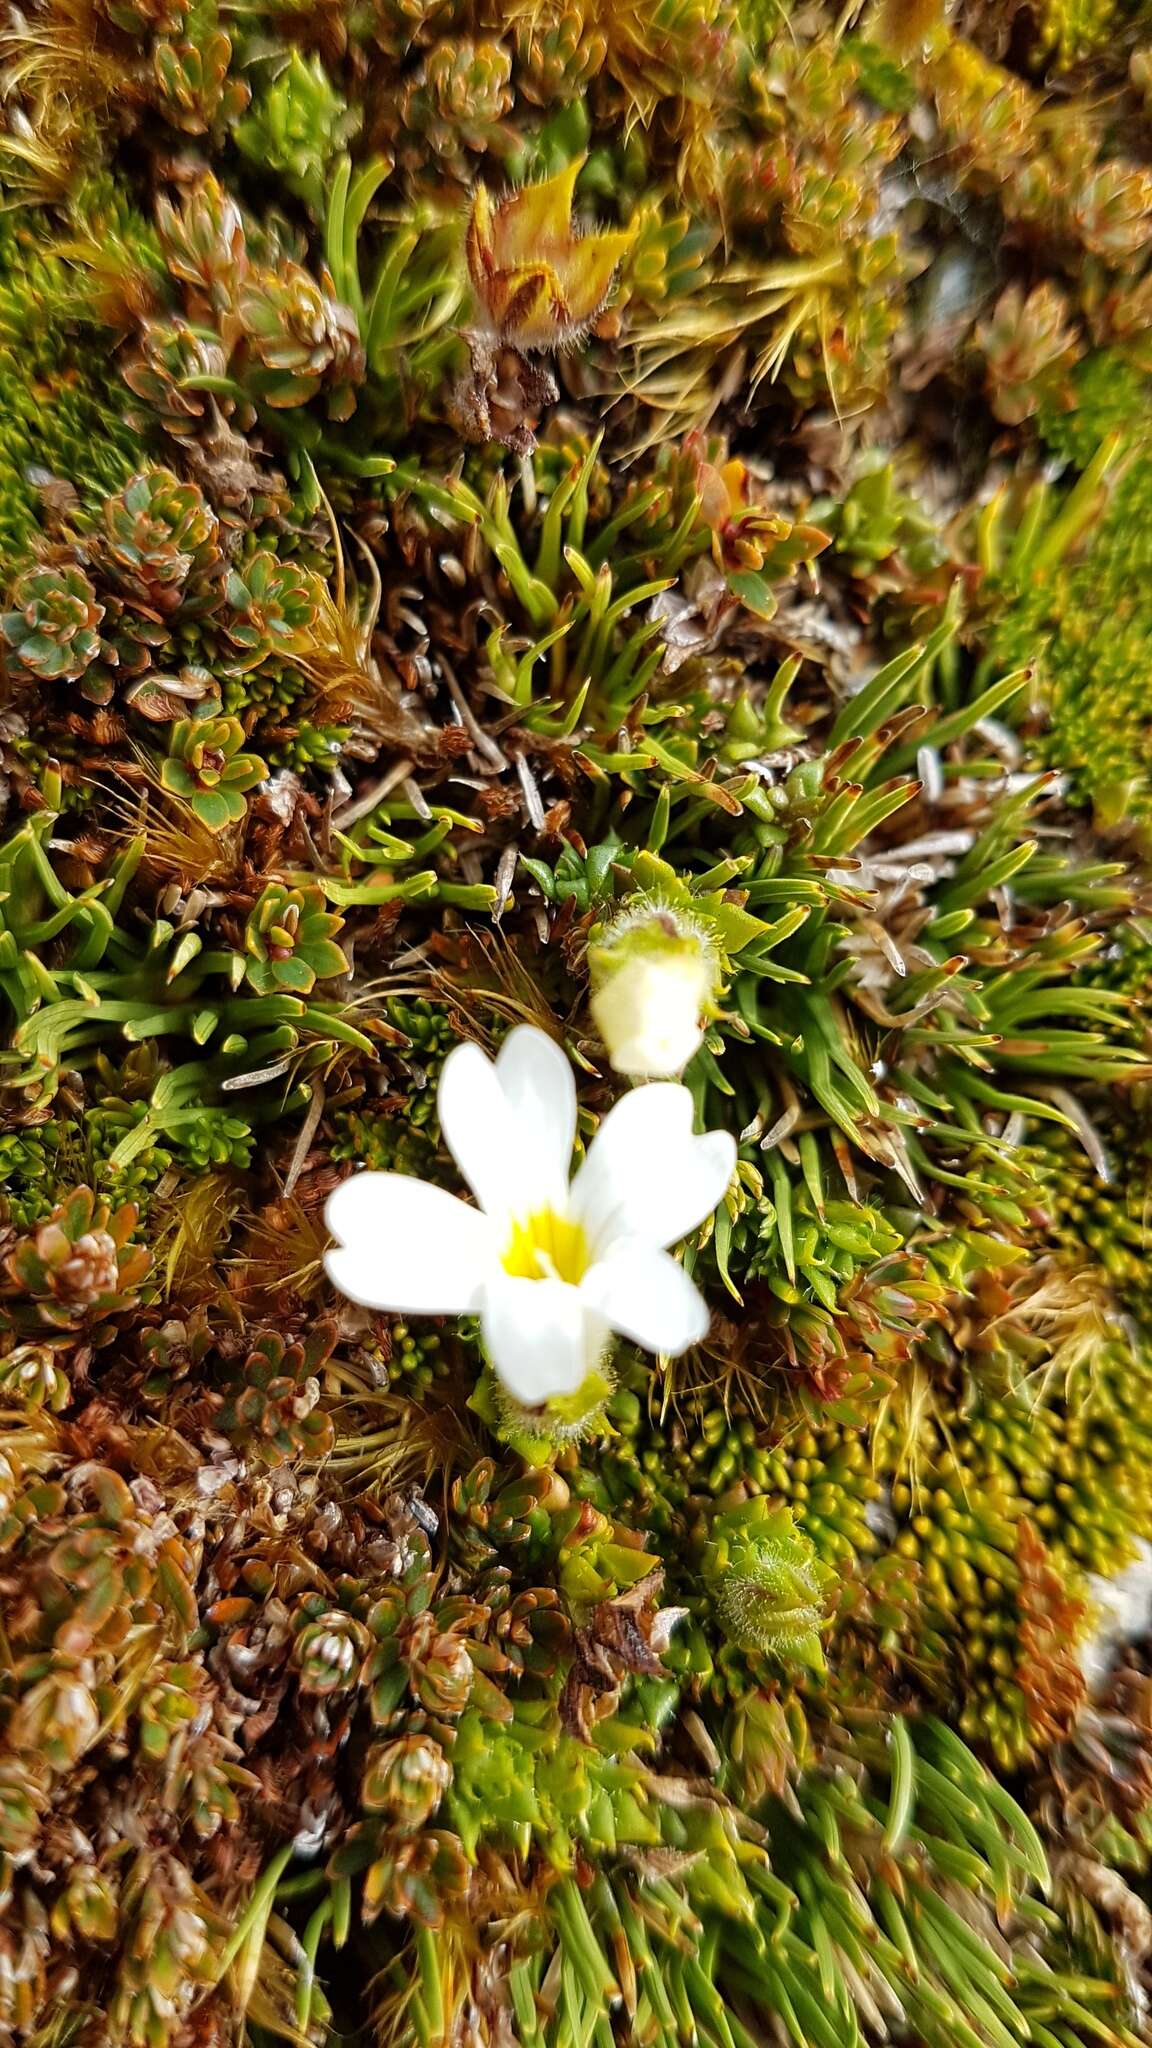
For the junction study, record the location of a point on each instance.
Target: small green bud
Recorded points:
(768, 1583)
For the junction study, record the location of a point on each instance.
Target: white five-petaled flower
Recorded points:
(551, 1268)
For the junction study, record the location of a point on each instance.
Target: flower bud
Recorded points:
(768, 1583)
(654, 980)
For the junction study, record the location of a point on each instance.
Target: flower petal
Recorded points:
(406, 1246)
(510, 1126)
(479, 1128)
(541, 1337)
(531, 225)
(538, 1082)
(646, 1296)
(646, 1175)
(647, 1011)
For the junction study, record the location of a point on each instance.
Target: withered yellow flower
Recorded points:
(538, 278)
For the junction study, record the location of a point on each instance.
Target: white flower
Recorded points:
(654, 977)
(551, 1269)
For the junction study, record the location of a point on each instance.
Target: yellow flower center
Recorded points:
(547, 1247)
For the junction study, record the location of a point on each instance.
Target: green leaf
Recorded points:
(735, 928)
(754, 592)
(294, 973)
(217, 808)
(327, 959)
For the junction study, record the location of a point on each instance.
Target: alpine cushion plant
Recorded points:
(270, 604)
(290, 940)
(207, 767)
(79, 1265)
(551, 1267)
(618, 533)
(159, 544)
(53, 629)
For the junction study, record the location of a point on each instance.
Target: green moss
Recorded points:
(61, 402)
(1088, 627)
(1112, 396)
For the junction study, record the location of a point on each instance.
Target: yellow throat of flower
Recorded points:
(547, 1247)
